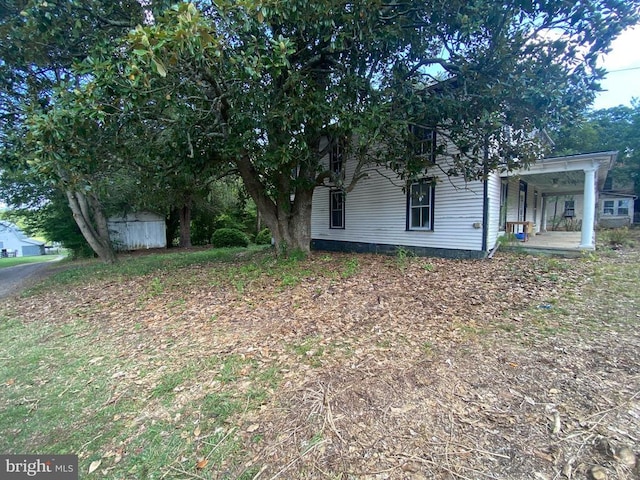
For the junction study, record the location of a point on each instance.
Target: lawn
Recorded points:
(233, 364)
(13, 261)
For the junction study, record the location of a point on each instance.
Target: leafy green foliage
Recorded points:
(155, 103)
(283, 76)
(263, 237)
(617, 129)
(229, 237)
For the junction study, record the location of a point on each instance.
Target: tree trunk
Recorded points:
(185, 226)
(96, 236)
(289, 221)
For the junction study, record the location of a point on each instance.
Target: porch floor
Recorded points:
(552, 243)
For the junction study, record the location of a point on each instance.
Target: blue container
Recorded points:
(520, 236)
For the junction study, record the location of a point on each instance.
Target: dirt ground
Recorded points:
(516, 367)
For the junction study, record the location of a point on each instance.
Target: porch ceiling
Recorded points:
(565, 175)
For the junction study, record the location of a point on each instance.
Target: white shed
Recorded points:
(137, 231)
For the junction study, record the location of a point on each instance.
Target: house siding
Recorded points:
(555, 212)
(616, 220)
(376, 213)
(494, 186)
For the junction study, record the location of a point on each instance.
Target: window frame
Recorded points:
(423, 141)
(333, 193)
(619, 207)
(336, 158)
(569, 211)
(616, 207)
(429, 182)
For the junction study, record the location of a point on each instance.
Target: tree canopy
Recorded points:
(269, 86)
(616, 128)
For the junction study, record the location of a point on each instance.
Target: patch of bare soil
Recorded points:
(512, 368)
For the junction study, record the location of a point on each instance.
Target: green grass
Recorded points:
(13, 261)
(136, 266)
(67, 390)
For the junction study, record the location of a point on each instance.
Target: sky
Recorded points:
(623, 66)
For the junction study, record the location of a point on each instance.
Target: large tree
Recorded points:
(99, 144)
(43, 129)
(616, 128)
(280, 76)
(266, 82)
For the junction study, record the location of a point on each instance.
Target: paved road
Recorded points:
(14, 279)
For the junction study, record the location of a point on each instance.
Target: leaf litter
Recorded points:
(511, 368)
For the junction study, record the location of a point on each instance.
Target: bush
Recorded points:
(617, 237)
(229, 237)
(264, 237)
(227, 221)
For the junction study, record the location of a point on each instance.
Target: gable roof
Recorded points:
(19, 234)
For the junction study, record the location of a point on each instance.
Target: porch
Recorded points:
(566, 244)
(557, 193)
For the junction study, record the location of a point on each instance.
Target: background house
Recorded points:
(617, 206)
(137, 231)
(13, 242)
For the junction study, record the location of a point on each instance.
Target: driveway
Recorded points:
(14, 279)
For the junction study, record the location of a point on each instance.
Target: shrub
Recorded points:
(264, 237)
(617, 237)
(227, 221)
(229, 237)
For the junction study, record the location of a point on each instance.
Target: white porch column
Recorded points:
(589, 209)
(543, 217)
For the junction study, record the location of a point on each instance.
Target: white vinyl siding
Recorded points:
(494, 190)
(377, 210)
(556, 210)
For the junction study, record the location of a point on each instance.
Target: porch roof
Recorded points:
(565, 175)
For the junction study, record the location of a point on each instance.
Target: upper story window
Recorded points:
(420, 205)
(336, 158)
(423, 141)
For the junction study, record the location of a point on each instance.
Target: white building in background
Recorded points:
(14, 243)
(138, 231)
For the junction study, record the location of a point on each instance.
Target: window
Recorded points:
(423, 141)
(623, 207)
(615, 207)
(569, 209)
(336, 209)
(609, 207)
(336, 158)
(420, 205)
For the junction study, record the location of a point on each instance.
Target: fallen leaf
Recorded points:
(197, 431)
(94, 465)
(202, 463)
(253, 428)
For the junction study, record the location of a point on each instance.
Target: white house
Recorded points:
(14, 243)
(138, 231)
(453, 217)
